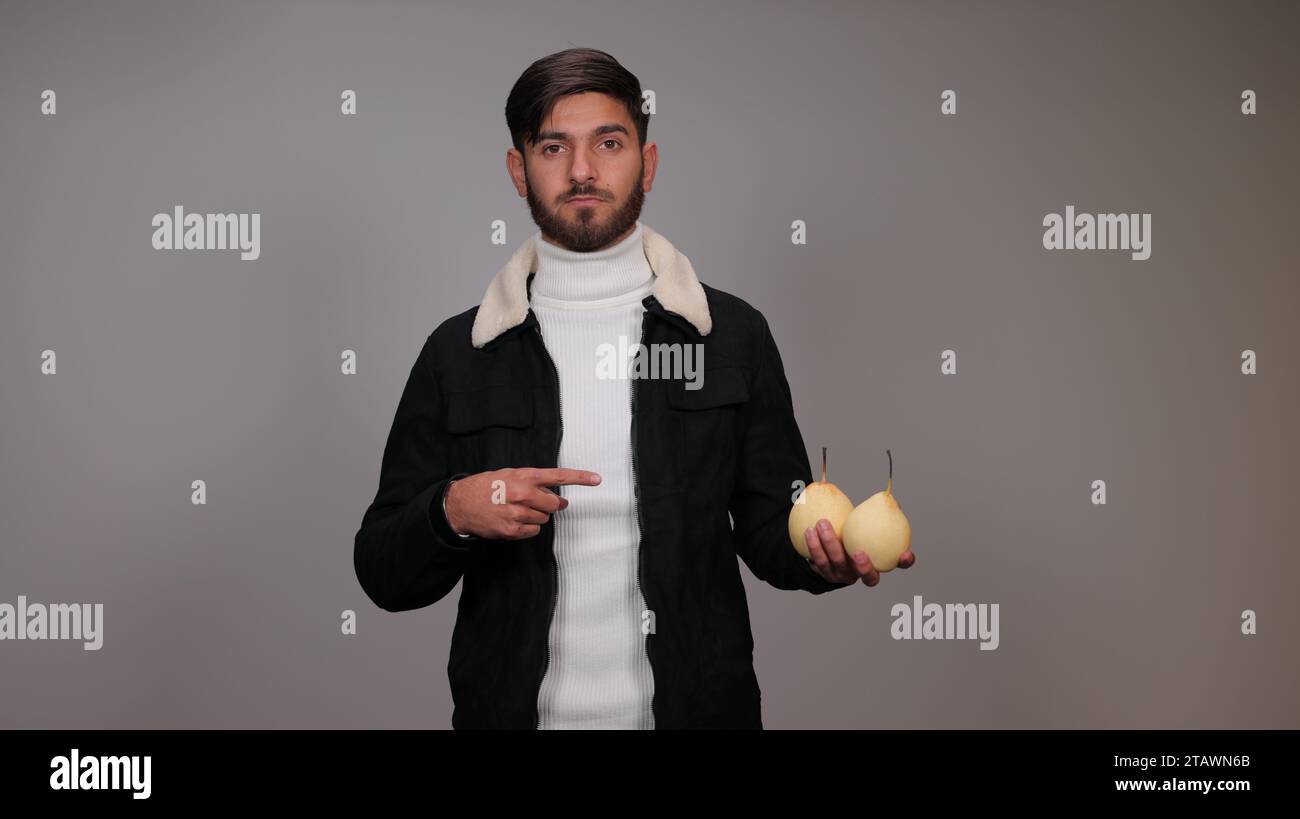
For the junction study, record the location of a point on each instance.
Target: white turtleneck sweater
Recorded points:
(599, 675)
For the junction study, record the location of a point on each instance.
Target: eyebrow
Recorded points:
(607, 128)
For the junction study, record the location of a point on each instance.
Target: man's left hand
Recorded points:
(832, 562)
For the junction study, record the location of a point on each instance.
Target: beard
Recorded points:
(585, 233)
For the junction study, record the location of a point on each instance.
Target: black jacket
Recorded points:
(483, 395)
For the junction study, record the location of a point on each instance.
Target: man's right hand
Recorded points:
(516, 507)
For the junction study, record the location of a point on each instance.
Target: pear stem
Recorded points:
(891, 470)
(823, 464)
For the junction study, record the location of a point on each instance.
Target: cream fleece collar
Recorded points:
(505, 303)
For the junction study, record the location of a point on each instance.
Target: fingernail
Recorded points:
(808, 533)
(824, 525)
(595, 478)
(860, 557)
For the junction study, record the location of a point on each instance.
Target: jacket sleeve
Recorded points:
(405, 554)
(772, 456)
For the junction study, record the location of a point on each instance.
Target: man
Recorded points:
(587, 516)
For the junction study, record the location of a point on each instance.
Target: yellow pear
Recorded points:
(819, 499)
(878, 527)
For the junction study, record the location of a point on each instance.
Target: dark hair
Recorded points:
(571, 71)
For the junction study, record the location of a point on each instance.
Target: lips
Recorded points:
(585, 200)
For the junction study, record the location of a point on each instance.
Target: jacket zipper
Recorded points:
(640, 552)
(555, 568)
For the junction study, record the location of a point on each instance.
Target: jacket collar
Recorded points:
(676, 290)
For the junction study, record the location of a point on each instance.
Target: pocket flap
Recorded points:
(502, 406)
(718, 386)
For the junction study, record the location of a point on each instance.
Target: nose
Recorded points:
(583, 170)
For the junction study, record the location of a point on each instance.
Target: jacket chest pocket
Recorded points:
(708, 424)
(489, 427)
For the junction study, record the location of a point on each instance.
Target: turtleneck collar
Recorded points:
(570, 275)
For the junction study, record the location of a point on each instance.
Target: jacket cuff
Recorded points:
(816, 583)
(438, 519)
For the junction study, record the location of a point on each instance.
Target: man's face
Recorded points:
(585, 176)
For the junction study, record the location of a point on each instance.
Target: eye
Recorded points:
(615, 141)
(550, 146)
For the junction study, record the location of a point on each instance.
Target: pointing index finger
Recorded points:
(563, 476)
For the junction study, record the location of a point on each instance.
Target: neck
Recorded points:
(572, 275)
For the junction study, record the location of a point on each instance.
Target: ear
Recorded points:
(515, 167)
(649, 156)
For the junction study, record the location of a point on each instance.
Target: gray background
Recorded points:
(925, 234)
